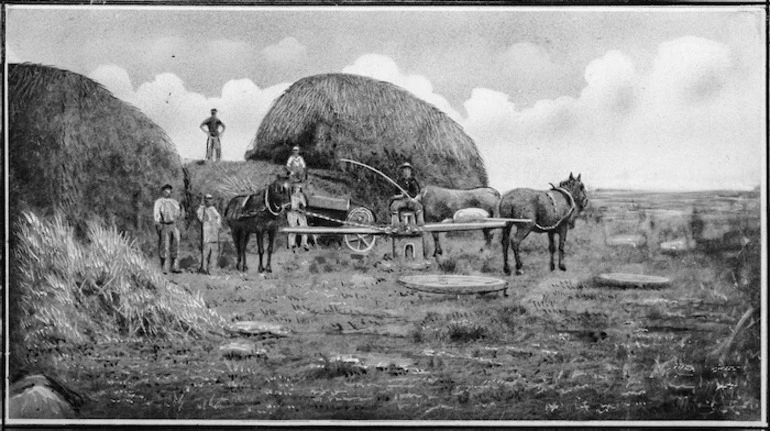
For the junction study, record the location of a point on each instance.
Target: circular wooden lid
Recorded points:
(453, 284)
(620, 279)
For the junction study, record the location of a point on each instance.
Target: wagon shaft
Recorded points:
(320, 230)
(489, 224)
(428, 227)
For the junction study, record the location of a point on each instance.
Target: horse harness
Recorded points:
(280, 208)
(267, 207)
(553, 202)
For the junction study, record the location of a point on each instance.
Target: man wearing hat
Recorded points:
(409, 201)
(296, 167)
(210, 127)
(211, 221)
(166, 213)
(297, 218)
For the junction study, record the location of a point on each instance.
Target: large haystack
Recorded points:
(377, 123)
(74, 146)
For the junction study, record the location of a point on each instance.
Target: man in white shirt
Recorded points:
(166, 213)
(211, 221)
(296, 167)
(295, 217)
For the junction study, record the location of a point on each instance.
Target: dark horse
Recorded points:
(440, 203)
(553, 212)
(258, 213)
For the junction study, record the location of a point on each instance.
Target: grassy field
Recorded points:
(350, 343)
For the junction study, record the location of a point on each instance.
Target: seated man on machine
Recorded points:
(410, 200)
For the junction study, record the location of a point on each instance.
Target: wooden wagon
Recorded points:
(332, 212)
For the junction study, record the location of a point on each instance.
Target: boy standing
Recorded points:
(211, 221)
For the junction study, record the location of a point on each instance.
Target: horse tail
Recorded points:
(494, 205)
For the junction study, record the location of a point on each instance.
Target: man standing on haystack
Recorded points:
(211, 221)
(210, 126)
(296, 167)
(166, 212)
(409, 201)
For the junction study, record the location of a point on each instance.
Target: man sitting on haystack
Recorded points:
(410, 200)
(296, 167)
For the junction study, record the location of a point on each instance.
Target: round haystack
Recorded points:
(377, 123)
(73, 146)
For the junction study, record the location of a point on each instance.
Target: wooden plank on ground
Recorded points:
(453, 284)
(624, 280)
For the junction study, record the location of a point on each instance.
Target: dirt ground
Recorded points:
(347, 341)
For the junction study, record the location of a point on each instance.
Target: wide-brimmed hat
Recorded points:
(213, 109)
(167, 186)
(295, 148)
(405, 165)
(208, 196)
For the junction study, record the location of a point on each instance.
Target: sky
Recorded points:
(650, 98)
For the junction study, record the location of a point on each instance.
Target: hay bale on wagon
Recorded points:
(74, 146)
(224, 180)
(339, 115)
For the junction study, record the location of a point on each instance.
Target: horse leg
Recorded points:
(261, 248)
(506, 240)
(244, 244)
(487, 236)
(270, 240)
(552, 248)
(237, 242)
(562, 240)
(521, 233)
(437, 249)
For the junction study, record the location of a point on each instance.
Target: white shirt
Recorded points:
(166, 210)
(211, 220)
(295, 161)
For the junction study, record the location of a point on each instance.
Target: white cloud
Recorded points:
(10, 55)
(166, 100)
(611, 84)
(690, 122)
(383, 68)
(288, 50)
(115, 79)
(690, 69)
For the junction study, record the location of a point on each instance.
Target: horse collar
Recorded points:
(267, 205)
(569, 213)
(569, 197)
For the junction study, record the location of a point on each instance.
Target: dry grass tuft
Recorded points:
(103, 289)
(464, 331)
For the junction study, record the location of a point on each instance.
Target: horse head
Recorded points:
(577, 189)
(278, 196)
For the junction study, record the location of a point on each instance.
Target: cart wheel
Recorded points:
(360, 243)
